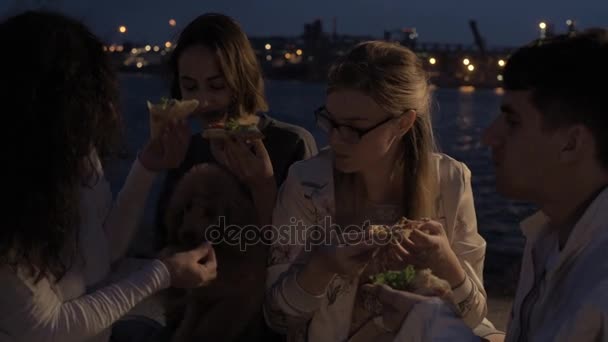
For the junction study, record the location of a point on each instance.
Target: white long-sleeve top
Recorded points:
(68, 310)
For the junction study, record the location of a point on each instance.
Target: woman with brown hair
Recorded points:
(382, 165)
(214, 63)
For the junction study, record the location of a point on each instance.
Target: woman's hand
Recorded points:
(251, 165)
(168, 150)
(428, 247)
(347, 260)
(248, 161)
(191, 269)
(327, 261)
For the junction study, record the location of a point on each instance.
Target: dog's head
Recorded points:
(206, 195)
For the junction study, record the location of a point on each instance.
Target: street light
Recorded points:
(172, 22)
(466, 61)
(543, 29)
(502, 63)
(471, 67)
(433, 61)
(122, 29)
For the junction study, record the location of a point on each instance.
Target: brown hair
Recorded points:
(393, 76)
(236, 57)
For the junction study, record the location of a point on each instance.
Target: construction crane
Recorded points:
(479, 41)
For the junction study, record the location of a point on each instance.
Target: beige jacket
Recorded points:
(307, 195)
(571, 302)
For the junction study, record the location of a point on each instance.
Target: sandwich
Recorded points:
(419, 281)
(243, 127)
(166, 111)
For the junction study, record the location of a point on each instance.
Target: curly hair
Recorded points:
(59, 100)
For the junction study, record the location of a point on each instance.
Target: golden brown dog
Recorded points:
(230, 308)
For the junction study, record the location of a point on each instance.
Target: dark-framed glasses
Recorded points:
(348, 134)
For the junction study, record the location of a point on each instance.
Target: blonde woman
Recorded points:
(382, 164)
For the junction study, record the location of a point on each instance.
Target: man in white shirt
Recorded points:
(550, 147)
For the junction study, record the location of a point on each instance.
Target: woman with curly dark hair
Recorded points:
(60, 108)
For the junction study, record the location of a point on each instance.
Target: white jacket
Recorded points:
(308, 195)
(569, 305)
(573, 299)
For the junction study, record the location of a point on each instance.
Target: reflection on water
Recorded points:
(459, 119)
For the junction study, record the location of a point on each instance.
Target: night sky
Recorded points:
(502, 23)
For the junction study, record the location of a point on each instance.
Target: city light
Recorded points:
(466, 61)
(268, 46)
(120, 48)
(471, 67)
(433, 61)
(542, 25)
(287, 55)
(112, 48)
(299, 52)
(268, 58)
(466, 89)
(172, 22)
(134, 51)
(167, 44)
(502, 63)
(499, 77)
(139, 65)
(156, 48)
(148, 48)
(105, 48)
(569, 22)
(122, 29)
